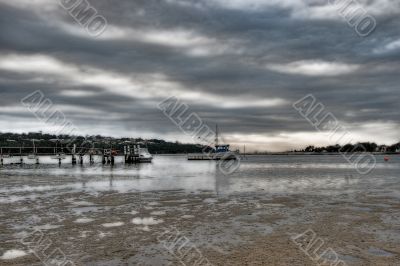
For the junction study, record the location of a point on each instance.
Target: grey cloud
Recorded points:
(252, 39)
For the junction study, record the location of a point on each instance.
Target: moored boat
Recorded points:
(144, 155)
(222, 152)
(219, 152)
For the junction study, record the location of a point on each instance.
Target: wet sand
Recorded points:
(234, 230)
(113, 227)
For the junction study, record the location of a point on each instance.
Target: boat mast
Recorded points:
(216, 135)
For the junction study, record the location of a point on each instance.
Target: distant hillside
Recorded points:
(155, 146)
(359, 147)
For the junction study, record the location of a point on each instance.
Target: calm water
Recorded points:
(264, 174)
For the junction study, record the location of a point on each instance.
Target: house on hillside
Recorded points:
(382, 148)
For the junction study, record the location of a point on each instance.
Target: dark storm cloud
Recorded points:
(227, 53)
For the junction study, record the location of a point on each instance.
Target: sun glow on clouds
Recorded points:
(178, 37)
(389, 47)
(147, 87)
(255, 4)
(306, 9)
(189, 42)
(286, 141)
(314, 68)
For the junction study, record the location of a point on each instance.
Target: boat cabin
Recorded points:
(222, 148)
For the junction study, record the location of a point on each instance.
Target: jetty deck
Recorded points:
(200, 157)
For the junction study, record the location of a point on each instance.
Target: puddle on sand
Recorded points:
(146, 221)
(360, 209)
(158, 213)
(187, 216)
(379, 252)
(349, 259)
(385, 235)
(46, 227)
(83, 220)
(13, 254)
(334, 258)
(116, 224)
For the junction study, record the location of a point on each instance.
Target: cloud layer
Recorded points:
(237, 63)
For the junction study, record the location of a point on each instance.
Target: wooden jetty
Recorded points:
(131, 154)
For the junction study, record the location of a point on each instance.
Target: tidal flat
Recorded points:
(104, 215)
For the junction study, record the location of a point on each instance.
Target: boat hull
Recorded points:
(145, 160)
(58, 157)
(226, 156)
(214, 156)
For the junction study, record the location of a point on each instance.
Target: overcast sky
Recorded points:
(238, 63)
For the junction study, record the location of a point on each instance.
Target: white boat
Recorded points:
(145, 156)
(59, 156)
(32, 156)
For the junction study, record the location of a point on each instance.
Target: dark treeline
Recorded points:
(155, 146)
(359, 147)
